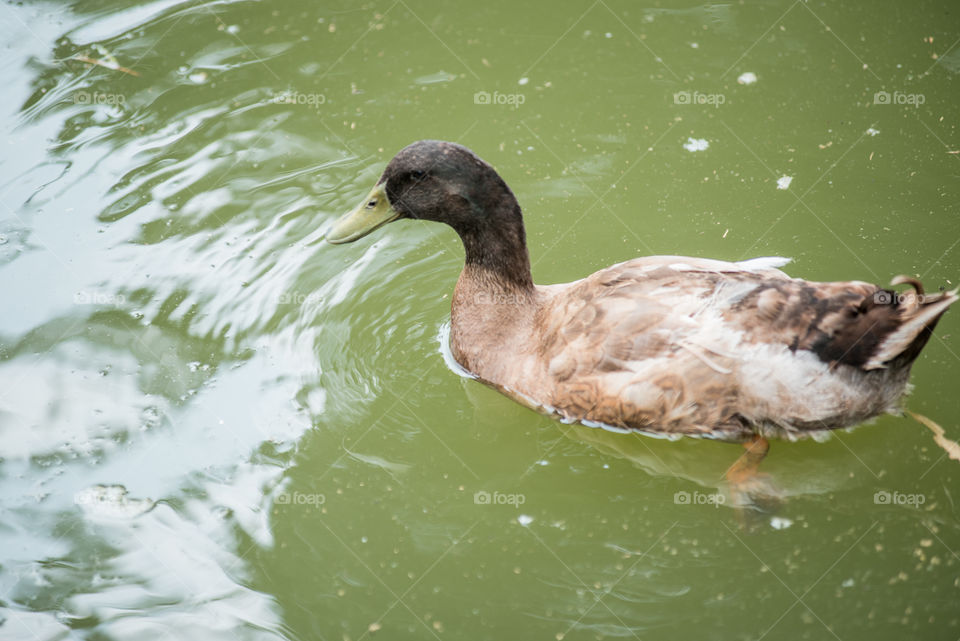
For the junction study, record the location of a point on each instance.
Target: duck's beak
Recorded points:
(375, 211)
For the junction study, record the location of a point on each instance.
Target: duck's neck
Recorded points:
(495, 299)
(496, 248)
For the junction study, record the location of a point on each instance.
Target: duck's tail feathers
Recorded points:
(917, 315)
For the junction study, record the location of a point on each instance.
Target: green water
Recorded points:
(172, 322)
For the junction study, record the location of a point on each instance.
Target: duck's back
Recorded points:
(702, 347)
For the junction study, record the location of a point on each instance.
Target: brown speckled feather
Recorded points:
(696, 347)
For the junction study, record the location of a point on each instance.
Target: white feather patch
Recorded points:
(763, 263)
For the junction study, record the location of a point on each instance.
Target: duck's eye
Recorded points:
(417, 174)
(372, 204)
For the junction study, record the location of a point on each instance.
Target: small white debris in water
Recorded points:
(198, 77)
(523, 81)
(783, 182)
(232, 29)
(696, 144)
(543, 462)
(608, 35)
(872, 132)
(524, 520)
(694, 45)
(747, 78)
(848, 583)
(780, 523)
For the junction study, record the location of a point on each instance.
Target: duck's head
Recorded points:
(431, 180)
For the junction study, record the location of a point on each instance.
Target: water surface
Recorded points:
(214, 425)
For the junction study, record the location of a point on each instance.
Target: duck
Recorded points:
(664, 345)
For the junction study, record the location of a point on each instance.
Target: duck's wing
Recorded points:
(671, 344)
